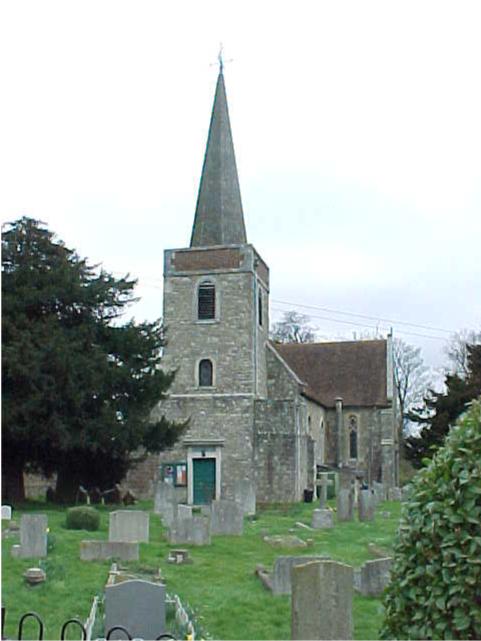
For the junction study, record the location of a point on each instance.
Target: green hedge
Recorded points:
(83, 518)
(435, 589)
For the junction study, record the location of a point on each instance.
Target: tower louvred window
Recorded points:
(205, 373)
(206, 301)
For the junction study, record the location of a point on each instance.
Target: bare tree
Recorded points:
(457, 350)
(293, 328)
(411, 378)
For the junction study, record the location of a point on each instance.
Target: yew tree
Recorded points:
(78, 384)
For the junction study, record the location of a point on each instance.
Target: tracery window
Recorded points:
(206, 301)
(205, 373)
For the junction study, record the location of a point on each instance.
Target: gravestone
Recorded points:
(379, 491)
(345, 505)
(184, 511)
(33, 535)
(6, 513)
(365, 505)
(129, 526)
(138, 606)
(375, 576)
(323, 483)
(281, 574)
(165, 502)
(394, 494)
(102, 550)
(322, 519)
(322, 601)
(193, 531)
(226, 517)
(245, 495)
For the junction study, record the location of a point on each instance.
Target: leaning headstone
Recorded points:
(322, 519)
(227, 517)
(6, 512)
(345, 505)
(365, 505)
(138, 606)
(102, 550)
(129, 526)
(193, 531)
(394, 494)
(165, 502)
(33, 535)
(281, 574)
(322, 601)
(375, 576)
(184, 511)
(245, 494)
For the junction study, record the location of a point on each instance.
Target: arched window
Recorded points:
(206, 301)
(353, 437)
(205, 373)
(259, 307)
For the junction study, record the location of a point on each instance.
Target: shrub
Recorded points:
(83, 518)
(436, 574)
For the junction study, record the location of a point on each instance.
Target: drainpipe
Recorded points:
(339, 432)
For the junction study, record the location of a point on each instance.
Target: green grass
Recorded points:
(220, 586)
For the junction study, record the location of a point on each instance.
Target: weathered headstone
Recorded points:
(322, 601)
(184, 511)
(33, 535)
(281, 573)
(6, 512)
(165, 502)
(394, 494)
(138, 606)
(379, 491)
(322, 519)
(375, 576)
(129, 526)
(193, 531)
(323, 483)
(102, 550)
(245, 494)
(227, 517)
(345, 505)
(365, 505)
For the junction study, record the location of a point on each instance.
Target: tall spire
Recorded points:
(219, 219)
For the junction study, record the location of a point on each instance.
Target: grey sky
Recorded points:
(356, 126)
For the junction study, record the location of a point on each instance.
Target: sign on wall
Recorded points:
(175, 474)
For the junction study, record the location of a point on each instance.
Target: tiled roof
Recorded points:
(356, 371)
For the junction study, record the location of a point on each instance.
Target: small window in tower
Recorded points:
(353, 437)
(205, 373)
(259, 307)
(206, 301)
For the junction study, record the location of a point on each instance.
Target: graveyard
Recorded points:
(235, 586)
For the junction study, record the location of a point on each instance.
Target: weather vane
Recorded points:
(220, 59)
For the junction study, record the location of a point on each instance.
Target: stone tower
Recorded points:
(216, 318)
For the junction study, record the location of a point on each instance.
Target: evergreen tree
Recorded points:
(78, 386)
(440, 411)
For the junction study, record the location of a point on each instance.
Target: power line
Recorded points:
(374, 318)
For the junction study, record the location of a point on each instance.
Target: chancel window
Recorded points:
(206, 301)
(353, 437)
(205, 373)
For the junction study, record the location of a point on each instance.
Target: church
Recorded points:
(263, 414)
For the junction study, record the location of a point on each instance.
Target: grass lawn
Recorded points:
(220, 586)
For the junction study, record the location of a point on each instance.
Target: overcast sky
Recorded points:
(357, 129)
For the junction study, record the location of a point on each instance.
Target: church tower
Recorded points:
(216, 315)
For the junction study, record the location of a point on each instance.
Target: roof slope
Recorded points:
(219, 219)
(356, 371)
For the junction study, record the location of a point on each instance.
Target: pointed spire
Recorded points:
(219, 219)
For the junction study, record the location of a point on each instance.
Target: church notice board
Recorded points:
(175, 473)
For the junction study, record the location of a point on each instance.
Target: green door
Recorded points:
(204, 480)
